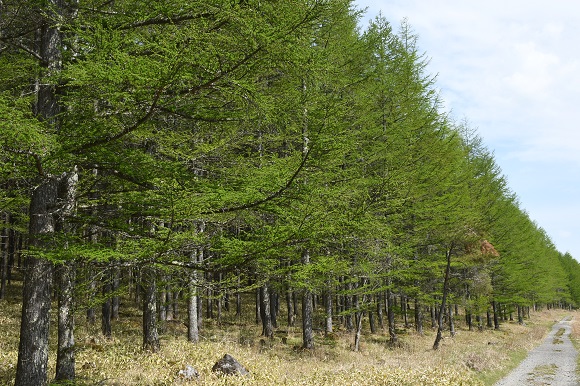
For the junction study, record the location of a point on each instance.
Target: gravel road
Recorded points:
(551, 363)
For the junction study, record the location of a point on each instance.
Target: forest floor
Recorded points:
(470, 358)
(551, 363)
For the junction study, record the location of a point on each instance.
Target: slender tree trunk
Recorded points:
(258, 310)
(443, 301)
(328, 327)
(66, 275)
(380, 311)
(274, 308)
(496, 311)
(150, 334)
(290, 307)
(192, 325)
(13, 240)
(348, 307)
(404, 308)
(169, 308)
(162, 304)
(65, 359)
(106, 308)
(199, 311)
(115, 298)
(469, 320)
(418, 318)
(520, 315)
(92, 288)
(4, 255)
(451, 321)
(192, 300)
(372, 321)
(238, 299)
(358, 331)
(393, 338)
(307, 311)
(267, 327)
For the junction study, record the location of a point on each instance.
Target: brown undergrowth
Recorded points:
(470, 358)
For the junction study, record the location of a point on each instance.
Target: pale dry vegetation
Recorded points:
(471, 358)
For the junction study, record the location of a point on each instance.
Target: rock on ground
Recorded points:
(230, 366)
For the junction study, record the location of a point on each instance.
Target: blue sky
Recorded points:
(512, 69)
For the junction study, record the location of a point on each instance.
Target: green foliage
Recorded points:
(256, 132)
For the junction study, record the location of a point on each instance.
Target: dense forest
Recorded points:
(197, 154)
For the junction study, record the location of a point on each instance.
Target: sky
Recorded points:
(511, 68)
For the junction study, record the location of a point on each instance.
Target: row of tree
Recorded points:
(204, 149)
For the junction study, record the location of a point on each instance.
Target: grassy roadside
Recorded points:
(470, 358)
(575, 338)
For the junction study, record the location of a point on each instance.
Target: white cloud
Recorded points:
(535, 72)
(512, 68)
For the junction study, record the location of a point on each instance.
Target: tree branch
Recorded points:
(37, 159)
(265, 199)
(135, 126)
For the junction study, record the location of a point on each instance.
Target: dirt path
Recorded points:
(552, 363)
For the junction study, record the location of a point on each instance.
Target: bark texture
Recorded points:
(150, 334)
(65, 360)
(31, 368)
(307, 311)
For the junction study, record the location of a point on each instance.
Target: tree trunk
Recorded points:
(192, 311)
(307, 311)
(65, 362)
(34, 328)
(176, 314)
(443, 301)
(13, 240)
(65, 359)
(238, 299)
(404, 307)
(267, 327)
(258, 310)
(380, 311)
(150, 335)
(32, 363)
(372, 322)
(418, 318)
(328, 327)
(496, 311)
(106, 308)
(274, 308)
(91, 314)
(358, 331)
(192, 325)
(115, 298)
(169, 299)
(4, 255)
(451, 321)
(348, 307)
(393, 338)
(290, 308)
(162, 304)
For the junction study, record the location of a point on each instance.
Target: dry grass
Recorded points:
(575, 337)
(471, 358)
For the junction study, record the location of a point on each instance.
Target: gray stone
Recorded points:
(230, 366)
(188, 374)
